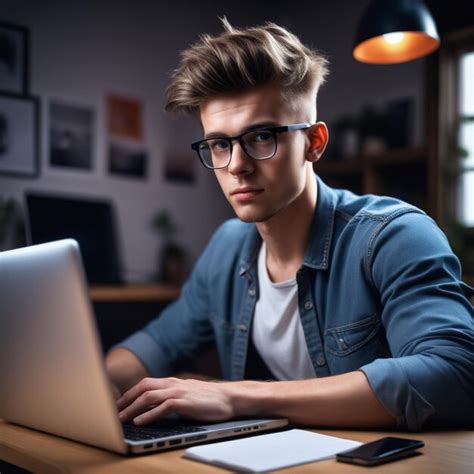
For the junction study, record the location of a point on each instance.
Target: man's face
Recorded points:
(259, 190)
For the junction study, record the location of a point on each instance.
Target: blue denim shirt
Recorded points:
(379, 290)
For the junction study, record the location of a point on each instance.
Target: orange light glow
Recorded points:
(394, 38)
(395, 47)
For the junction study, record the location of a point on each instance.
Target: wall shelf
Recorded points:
(143, 292)
(402, 173)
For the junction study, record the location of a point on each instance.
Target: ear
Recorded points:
(318, 136)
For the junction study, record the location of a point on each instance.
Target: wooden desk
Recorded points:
(144, 292)
(445, 452)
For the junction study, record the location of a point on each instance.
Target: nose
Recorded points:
(240, 162)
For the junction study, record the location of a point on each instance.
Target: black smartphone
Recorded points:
(380, 451)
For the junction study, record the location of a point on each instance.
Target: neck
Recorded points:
(286, 234)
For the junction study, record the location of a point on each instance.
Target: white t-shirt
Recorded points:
(277, 331)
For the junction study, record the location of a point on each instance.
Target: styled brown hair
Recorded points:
(241, 59)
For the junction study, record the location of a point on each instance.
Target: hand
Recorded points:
(152, 399)
(115, 391)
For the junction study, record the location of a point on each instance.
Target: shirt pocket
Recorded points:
(343, 340)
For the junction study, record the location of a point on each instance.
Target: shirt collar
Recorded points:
(250, 250)
(320, 236)
(322, 227)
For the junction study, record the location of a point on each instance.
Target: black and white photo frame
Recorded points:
(14, 59)
(71, 135)
(19, 135)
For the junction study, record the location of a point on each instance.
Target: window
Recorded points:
(465, 201)
(452, 140)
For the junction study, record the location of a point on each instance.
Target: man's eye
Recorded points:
(219, 145)
(262, 136)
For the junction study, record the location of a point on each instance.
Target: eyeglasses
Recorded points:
(259, 144)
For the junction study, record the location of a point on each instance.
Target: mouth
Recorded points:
(246, 193)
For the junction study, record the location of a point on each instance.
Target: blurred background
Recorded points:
(86, 146)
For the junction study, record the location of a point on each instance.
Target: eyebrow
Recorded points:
(255, 126)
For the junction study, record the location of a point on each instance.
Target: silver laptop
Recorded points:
(52, 372)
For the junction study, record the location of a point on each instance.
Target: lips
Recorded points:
(246, 193)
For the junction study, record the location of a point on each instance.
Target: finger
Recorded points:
(146, 384)
(169, 406)
(145, 402)
(133, 393)
(115, 391)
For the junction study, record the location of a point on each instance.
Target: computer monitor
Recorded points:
(90, 222)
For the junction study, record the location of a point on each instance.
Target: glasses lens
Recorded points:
(260, 144)
(215, 153)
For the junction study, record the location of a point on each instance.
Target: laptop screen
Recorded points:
(90, 222)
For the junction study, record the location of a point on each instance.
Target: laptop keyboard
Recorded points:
(139, 433)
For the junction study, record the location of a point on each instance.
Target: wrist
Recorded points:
(124, 369)
(251, 398)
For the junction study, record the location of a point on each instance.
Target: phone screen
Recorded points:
(381, 450)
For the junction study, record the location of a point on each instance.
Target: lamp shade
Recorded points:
(395, 31)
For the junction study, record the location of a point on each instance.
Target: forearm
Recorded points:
(124, 368)
(342, 401)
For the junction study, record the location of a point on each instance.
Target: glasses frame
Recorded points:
(275, 130)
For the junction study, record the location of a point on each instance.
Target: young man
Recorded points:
(353, 305)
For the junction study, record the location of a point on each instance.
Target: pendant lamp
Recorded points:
(395, 31)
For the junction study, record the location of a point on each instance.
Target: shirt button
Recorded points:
(308, 305)
(242, 327)
(320, 360)
(252, 291)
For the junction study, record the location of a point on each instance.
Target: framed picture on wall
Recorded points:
(125, 118)
(180, 168)
(19, 135)
(127, 161)
(14, 59)
(71, 135)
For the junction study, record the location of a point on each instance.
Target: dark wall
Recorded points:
(451, 15)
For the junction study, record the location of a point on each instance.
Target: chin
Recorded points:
(254, 217)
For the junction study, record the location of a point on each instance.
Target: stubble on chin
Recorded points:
(254, 216)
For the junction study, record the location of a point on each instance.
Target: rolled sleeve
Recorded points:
(398, 397)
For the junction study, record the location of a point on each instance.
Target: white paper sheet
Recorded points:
(269, 452)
